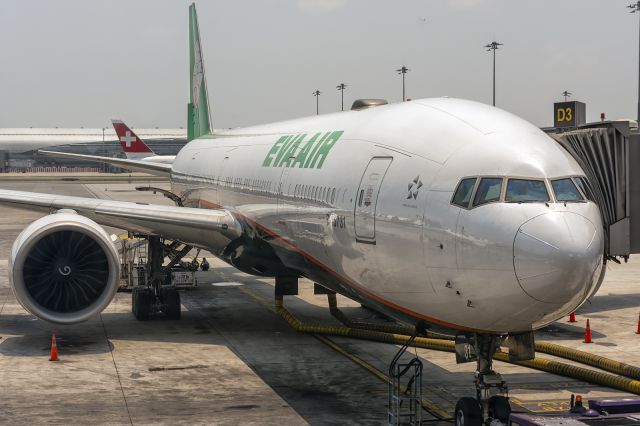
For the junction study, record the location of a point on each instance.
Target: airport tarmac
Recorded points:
(232, 360)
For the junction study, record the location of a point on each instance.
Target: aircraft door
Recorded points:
(367, 198)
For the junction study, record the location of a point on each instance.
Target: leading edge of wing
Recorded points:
(157, 169)
(212, 228)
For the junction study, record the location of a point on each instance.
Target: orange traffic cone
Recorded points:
(638, 330)
(572, 317)
(54, 349)
(587, 333)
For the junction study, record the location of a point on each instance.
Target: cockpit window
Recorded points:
(488, 191)
(525, 190)
(462, 195)
(566, 190)
(583, 184)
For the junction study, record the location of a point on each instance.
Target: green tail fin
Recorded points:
(199, 121)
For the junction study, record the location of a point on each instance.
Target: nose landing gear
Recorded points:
(491, 391)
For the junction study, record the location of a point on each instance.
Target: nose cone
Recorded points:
(557, 256)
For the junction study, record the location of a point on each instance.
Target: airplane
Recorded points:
(134, 148)
(434, 211)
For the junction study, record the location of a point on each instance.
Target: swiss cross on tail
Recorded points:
(131, 144)
(128, 138)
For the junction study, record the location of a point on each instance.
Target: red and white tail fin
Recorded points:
(134, 148)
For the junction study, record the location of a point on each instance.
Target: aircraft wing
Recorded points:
(198, 227)
(157, 169)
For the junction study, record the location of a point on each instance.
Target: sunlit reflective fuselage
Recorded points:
(370, 214)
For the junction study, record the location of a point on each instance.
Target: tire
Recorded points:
(171, 303)
(468, 412)
(499, 408)
(143, 302)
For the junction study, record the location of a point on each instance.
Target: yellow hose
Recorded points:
(549, 366)
(385, 328)
(548, 348)
(597, 361)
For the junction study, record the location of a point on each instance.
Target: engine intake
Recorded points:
(64, 268)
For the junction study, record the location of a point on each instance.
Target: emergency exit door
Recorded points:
(367, 198)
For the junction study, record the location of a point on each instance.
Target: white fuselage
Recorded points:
(375, 220)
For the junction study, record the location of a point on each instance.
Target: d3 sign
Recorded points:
(568, 114)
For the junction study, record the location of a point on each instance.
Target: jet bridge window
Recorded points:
(566, 190)
(526, 190)
(583, 184)
(488, 191)
(462, 196)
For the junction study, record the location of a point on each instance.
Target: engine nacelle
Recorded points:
(64, 268)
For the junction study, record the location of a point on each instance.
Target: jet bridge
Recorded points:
(609, 153)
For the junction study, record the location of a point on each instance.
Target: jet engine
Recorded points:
(64, 268)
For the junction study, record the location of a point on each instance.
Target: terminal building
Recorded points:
(19, 146)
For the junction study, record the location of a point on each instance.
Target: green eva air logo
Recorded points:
(298, 151)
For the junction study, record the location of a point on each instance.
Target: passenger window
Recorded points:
(488, 191)
(462, 195)
(525, 190)
(584, 186)
(566, 190)
(333, 195)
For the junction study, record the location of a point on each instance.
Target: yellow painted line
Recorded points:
(430, 406)
(543, 406)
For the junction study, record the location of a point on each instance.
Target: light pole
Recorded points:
(403, 71)
(494, 46)
(317, 95)
(341, 88)
(635, 7)
(566, 95)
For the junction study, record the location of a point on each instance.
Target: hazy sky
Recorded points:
(80, 63)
